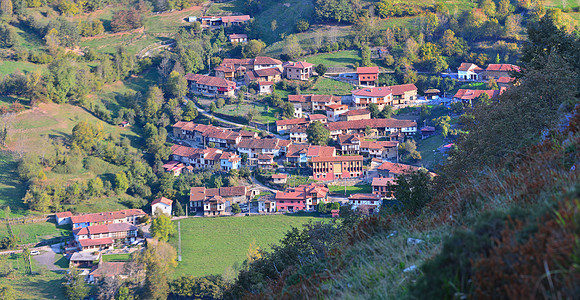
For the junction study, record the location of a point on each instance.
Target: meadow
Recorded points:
(11, 189)
(210, 245)
(34, 232)
(242, 110)
(355, 189)
(430, 157)
(345, 59)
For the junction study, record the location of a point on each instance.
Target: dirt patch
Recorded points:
(108, 35)
(176, 12)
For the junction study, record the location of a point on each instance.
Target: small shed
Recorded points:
(162, 205)
(266, 87)
(63, 218)
(432, 94)
(279, 178)
(85, 259)
(427, 131)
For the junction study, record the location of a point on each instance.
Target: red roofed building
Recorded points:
(403, 94)
(314, 102)
(209, 85)
(279, 178)
(381, 127)
(298, 70)
(497, 71)
(372, 200)
(468, 71)
(265, 87)
(380, 149)
(205, 158)
(63, 218)
(337, 167)
(130, 216)
(356, 114)
(255, 147)
(367, 76)
(226, 21)
(161, 205)
(238, 38)
(108, 269)
(302, 197)
(282, 126)
(225, 71)
(205, 134)
(334, 111)
(104, 236)
(349, 143)
(392, 170)
(380, 96)
(198, 196)
(381, 186)
(467, 96)
(269, 74)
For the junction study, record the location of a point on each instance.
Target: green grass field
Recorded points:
(43, 284)
(355, 189)
(263, 116)
(326, 86)
(11, 189)
(210, 245)
(345, 58)
(9, 67)
(34, 232)
(117, 257)
(430, 158)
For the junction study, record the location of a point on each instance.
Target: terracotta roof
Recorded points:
(320, 151)
(268, 72)
(265, 157)
(298, 98)
(216, 199)
(291, 122)
(263, 60)
(225, 68)
(465, 94)
(325, 98)
(337, 106)
(469, 67)
(373, 92)
(383, 181)
(315, 117)
(279, 176)
(373, 123)
(107, 216)
(95, 242)
(229, 19)
(294, 150)
(505, 79)
(120, 227)
(367, 70)
(298, 129)
(378, 144)
(372, 197)
(428, 129)
(356, 112)
(247, 133)
(163, 200)
(259, 144)
(266, 83)
(402, 88)
(337, 158)
(237, 61)
(232, 191)
(432, 91)
(210, 80)
(64, 214)
(299, 65)
(109, 269)
(98, 229)
(344, 139)
(238, 36)
(502, 67)
(197, 194)
(284, 143)
(397, 168)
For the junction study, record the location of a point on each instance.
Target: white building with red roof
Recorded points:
(380, 96)
(467, 95)
(298, 70)
(205, 158)
(265, 87)
(333, 111)
(468, 71)
(209, 85)
(100, 237)
(63, 218)
(373, 201)
(130, 216)
(238, 38)
(161, 205)
(382, 186)
(302, 197)
(380, 149)
(403, 94)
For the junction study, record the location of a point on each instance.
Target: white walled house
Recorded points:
(334, 111)
(161, 205)
(380, 96)
(469, 71)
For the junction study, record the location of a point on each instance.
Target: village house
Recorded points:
(302, 197)
(392, 170)
(199, 197)
(505, 82)
(265, 161)
(379, 127)
(427, 131)
(403, 94)
(266, 206)
(205, 134)
(282, 126)
(226, 72)
(371, 200)
(176, 168)
(205, 158)
(297, 110)
(298, 70)
(337, 167)
(63, 218)
(112, 269)
(84, 259)
(380, 149)
(301, 154)
(314, 102)
(349, 143)
(269, 74)
(265, 87)
(334, 111)
(381, 186)
(469, 71)
(130, 216)
(226, 21)
(298, 134)
(238, 38)
(497, 71)
(246, 134)
(367, 76)
(279, 178)
(356, 114)
(255, 147)
(161, 206)
(211, 86)
(99, 237)
(214, 206)
(380, 96)
(467, 96)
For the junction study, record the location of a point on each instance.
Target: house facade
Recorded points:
(298, 70)
(337, 167)
(367, 76)
(211, 86)
(334, 111)
(380, 149)
(379, 127)
(98, 237)
(356, 114)
(403, 94)
(130, 216)
(349, 143)
(359, 200)
(205, 158)
(161, 206)
(381, 186)
(255, 147)
(302, 197)
(238, 38)
(380, 96)
(469, 71)
(265, 87)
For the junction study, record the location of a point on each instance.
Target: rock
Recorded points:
(412, 241)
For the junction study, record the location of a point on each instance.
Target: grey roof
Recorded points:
(85, 256)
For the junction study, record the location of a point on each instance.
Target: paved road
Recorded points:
(261, 186)
(47, 256)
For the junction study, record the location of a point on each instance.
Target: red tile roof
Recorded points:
(465, 94)
(299, 65)
(64, 214)
(402, 88)
(505, 79)
(315, 117)
(225, 68)
(344, 139)
(320, 151)
(266, 83)
(264, 60)
(267, 72)
(298, 98)
(210, 80)
(367, 70)
(163, 200)
(279, 176)
(95, 242)
(291, 122)
(383, 181)
(428, 129)
(294, 150)
(469, 67)
(197, 194)
(237, 61)
(502, 67)
(238, 36)
(229, 19)
(397, 168)
(325, 98)
(107, 216)
(357, 112)
(371, 197)
(109, 269)
(337, 106)
(373, 92)
(378, 144)
(259, 144)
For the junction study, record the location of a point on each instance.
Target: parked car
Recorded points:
(34, 252)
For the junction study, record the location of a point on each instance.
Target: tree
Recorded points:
(178, 209)
(244, 157)
(492, 84)
(317, 133)
(321, 69)
(409, 148)
(212, 107)
(206, 287)
(176, 85)
(121, 183)
(162, 227)
(236, 209)
(288, 110)
(374, 109)
(159, 260)
(253, 48)
(366, 56)
(6, 8)
(124, 20)
(292, 47)
(302, 25)
(387, 112)
(190, 113)
(7, 292)
(414, 190)
(74, 285)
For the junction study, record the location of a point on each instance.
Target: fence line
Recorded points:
(30, 219)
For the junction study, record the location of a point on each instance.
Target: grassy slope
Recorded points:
(429, 157)
(325, 86)
(356, 189)
(11, 189)
(210, 245)
(346, 58)
(34, 232)
(263, 116)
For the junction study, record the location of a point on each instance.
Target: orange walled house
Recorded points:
(298, 70)
(337, 167)
(367, 76)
